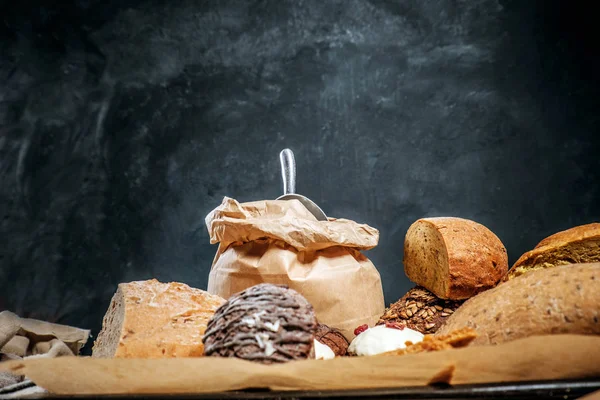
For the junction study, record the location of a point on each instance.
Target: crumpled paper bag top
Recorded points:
(281, 242)
(285, 220)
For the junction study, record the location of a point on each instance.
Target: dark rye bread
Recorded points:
(332, 338)
(420, 310)
(454, 258)
(265, 323)
(564, 299)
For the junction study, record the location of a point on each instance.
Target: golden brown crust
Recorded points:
(563, 299)
(160, 320)
(571, 246)
(580, 232)
(454, 258)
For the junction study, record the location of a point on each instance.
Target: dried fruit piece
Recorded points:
(361, 329)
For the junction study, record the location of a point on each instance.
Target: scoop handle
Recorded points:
(288, 171)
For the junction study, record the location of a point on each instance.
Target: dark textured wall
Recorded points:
(123, 123)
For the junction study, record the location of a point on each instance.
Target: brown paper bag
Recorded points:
(281, 242)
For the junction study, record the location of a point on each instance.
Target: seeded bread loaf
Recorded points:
(420, 310)
(454, 258)
(150, 319)
(580, 244)
(560, 300)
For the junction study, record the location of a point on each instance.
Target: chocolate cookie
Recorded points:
(332, 338)
(265, 323)
(421, 310)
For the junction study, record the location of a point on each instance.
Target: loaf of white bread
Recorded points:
(150, 319)
(580, 244)
(454, 258)
(561, 300)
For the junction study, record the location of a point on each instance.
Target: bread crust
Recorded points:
(156, 320)
(470, 258)
(560, 300)
(559, 249)
(580, 232)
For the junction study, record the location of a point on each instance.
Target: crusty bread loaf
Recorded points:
(564, 299)
(454, 258)
(150, 319)
(580, 244)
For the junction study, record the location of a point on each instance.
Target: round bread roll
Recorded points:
(454, 258)
(265, 323)
(563, 299)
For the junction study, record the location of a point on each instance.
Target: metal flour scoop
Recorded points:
(288, 173)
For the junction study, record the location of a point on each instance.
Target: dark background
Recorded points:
(123, 123)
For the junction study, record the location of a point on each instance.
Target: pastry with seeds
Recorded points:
(421, 310)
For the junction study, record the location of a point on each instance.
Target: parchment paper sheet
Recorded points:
(536, 358)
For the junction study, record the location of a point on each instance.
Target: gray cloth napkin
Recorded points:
(29, 338)
(22, 390)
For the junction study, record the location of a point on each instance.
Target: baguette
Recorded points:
(454, 258)
(150, 319)
(561, 300)
(580, 244)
